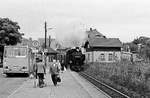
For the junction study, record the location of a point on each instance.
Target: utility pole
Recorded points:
(49, 40)
(45, 41)
(45, 33)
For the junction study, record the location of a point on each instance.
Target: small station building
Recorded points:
(101, 49)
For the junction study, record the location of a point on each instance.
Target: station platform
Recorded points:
(71, 86)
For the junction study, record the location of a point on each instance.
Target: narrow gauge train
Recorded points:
(75, 59)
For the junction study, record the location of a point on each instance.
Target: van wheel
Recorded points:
(27, 74)
(8, 74)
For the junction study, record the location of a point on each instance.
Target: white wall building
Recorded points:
(103, 50)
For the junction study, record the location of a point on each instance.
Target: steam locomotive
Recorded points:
(75, 59)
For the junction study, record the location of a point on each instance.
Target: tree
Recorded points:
(136, 41)
(9, 32)
(133, 47)
(141, 40)
(130, 46)
(145, 51)
(148, 43)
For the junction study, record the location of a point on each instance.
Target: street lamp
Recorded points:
(49, 36)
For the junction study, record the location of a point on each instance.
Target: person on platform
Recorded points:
(40, 69)
(59, 64)
(54, 71)
(62, 65)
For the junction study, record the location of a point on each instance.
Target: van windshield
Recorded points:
(15, 52)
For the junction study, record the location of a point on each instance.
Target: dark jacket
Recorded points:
(54, 69)
(39, 68)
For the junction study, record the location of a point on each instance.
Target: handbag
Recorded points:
(31, 76)
(35, 82)
(58, 78)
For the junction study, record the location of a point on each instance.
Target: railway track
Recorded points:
(113, 93)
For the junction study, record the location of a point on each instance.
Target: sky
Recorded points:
(123, 19)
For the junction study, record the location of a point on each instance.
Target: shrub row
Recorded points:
(132, 79)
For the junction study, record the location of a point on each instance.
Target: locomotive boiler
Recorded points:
(75, 59)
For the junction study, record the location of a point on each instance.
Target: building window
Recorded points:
(110, 57)
(102, 57)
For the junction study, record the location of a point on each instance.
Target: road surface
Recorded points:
(9, 84)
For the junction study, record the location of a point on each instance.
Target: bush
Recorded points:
(134, 77)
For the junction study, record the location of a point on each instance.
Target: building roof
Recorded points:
(105, 42)
(52, 51)
(92, 33)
